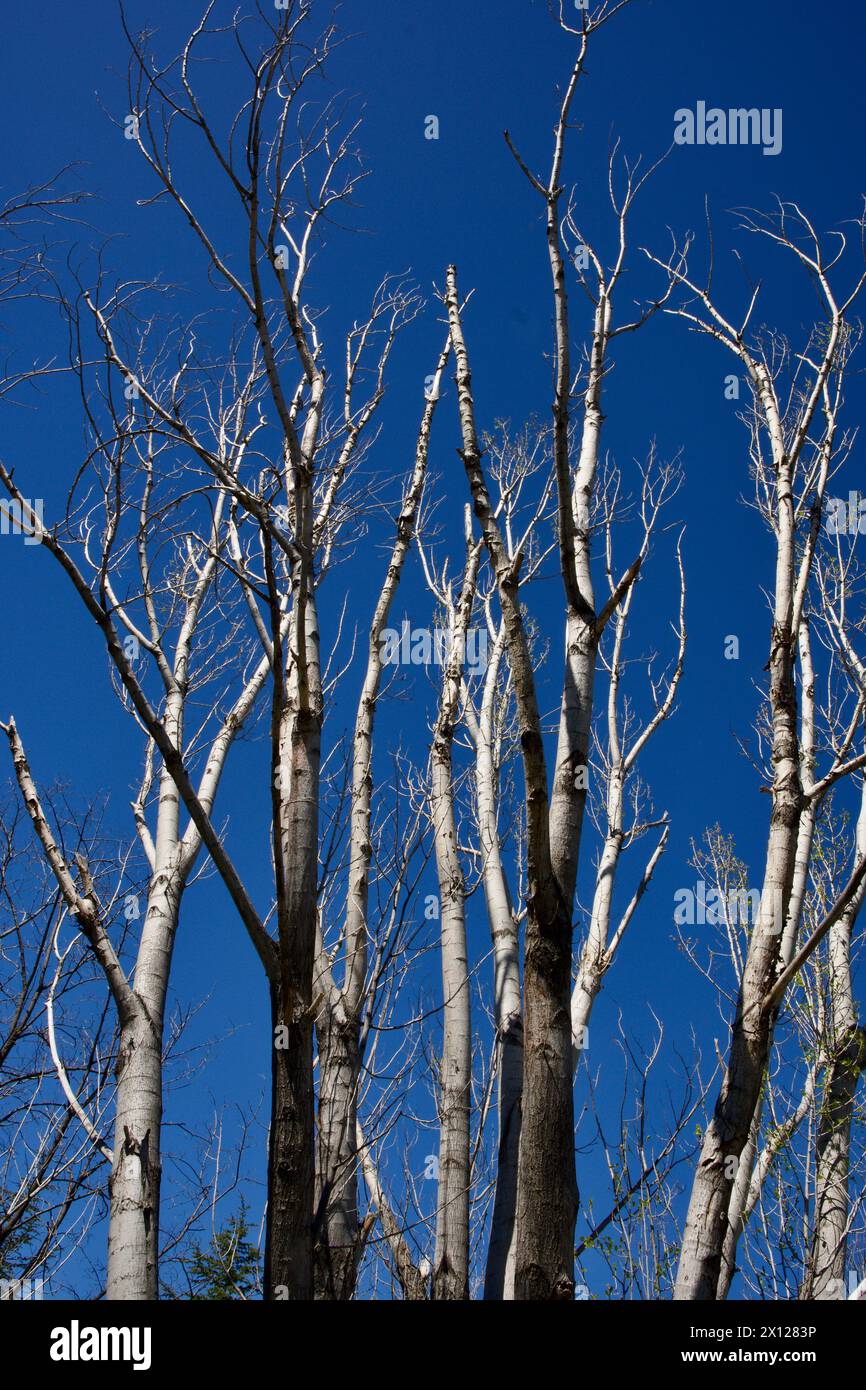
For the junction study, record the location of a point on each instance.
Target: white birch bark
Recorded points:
(451, 1261)
(749, 1178)
(507, 1003)
(134, 1185)
(727, 1134)
(600, 946)
(339, 1022)
(825, 1270)
(547, 1193)
(583, 630)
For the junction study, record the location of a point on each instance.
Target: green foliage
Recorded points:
(229, 1269)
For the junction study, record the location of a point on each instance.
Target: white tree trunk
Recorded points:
(728, 1132)
(134, 1185)
(748, 1182)
(451, 1263)
(825, 1271)
(507, 1004)
(339, 1022)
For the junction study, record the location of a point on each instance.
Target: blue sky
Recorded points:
(479, 68)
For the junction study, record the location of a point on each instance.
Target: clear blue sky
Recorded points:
(479, 67)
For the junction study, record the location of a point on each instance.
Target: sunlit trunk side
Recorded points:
(339, 1019)
(825, 1270)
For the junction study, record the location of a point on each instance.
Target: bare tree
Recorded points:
(340, 1022)
(55, 1042)
(549, 1203)
(793, 470)
(170, 605)
(287, 179)
(620, 753)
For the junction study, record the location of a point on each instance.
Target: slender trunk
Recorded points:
(737, 1207)
(451, 1264)
(133, 1232)
(291, 1160)
(825, 1270)
(336, 1246)
(412, 1281)
(593, 958)
(339, 1021)
(501, 1252)
(549, 1194)
(547, 1185)
(547, 1189)
(133, 1229)
(752, 1174)
(727, 1134)
(742, 1196)
(568, 794)
(288, 1237)
(296, 737)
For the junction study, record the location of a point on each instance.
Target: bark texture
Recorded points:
(507, 1001)
(451, 1263)
(825, 1271)
(339, 1021)
(547, 1188)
